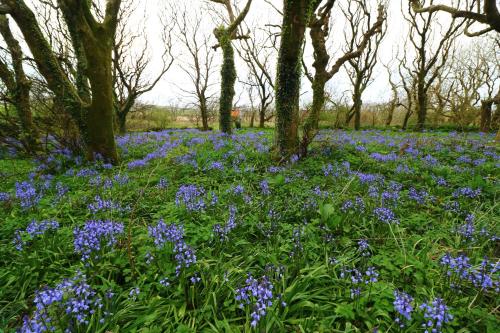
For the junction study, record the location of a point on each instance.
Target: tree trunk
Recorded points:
(122, 123)
(356, 98)
(204, 115)
(357, 114)
(388, 120)
(486, 106)
(262, 117)
(19, 86)
(228, 79)
(98, 132)
(406, 118)
(295, 18)
(421, 108)
(312, 122)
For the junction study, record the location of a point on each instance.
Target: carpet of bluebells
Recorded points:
(200, 232)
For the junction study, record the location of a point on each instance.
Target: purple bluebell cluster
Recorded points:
(33, 230)
(104, 205)
(94, 236)
(419, 196)
(358, 279)
(466, 192)
(436, 314)
(384, 157)
(216, 165)
(385, 215)
(162, 183)
(467, 229)
(163, 234)
(191, 197)
(297, 236)
(4, 196)
(404, 308)
(364, 248)
(61, 190)
(257, 294)
(221, 232)
(27, 194)
(358, 205)
(264, 187)
(486, 277)
(134, 293)
(73, 299)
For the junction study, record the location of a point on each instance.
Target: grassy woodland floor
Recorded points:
(194, 232)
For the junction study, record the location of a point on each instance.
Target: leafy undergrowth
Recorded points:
(197, 232)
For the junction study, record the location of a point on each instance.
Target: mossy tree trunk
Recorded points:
(228, 79)
(90, 100)
(296, 15)
(18, 86)
(225, 35)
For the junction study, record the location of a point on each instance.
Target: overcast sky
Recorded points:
(169, 89)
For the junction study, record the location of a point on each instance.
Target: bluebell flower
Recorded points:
(174, 234)
(191, 197)
(94, 236)
(404, 308)
(436, 314)
(385, 215)
(27, 194)
(73, 298)
(257, 294)
(4, 196)
(264, 187)
(32, 231)
(134, 292)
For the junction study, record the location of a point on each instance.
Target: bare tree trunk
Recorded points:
(262, 117)
(405, 120)
(357, 105)
(390, 115)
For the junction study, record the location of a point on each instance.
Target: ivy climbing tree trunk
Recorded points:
(296, 15)
(228, 79)
(225, 35)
